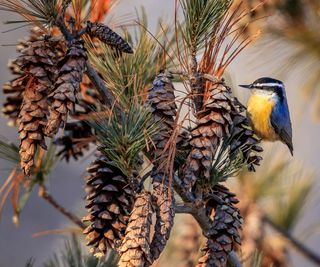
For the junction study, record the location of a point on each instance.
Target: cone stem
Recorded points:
(43, 193)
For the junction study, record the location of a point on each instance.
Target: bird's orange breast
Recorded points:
(259, 110)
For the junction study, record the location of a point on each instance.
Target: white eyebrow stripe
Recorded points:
(269, 85)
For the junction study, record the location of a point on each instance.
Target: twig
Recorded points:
(100, 85)
(185, 195)
(43, 193)
(296, 243)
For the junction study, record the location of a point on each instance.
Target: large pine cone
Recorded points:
(62, 99)
(213, 123)
(163, 195)
(14, 88)
(110, 200)
(39, 64)
(135, 248)
(161, 100)
(224, 233)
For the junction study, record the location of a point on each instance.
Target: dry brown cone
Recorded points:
(108, 36)
(163, 196)
(224, 233)
(109, 203)
(213, 123)
(161, 100)
(244, 138)
(38, 62)
(135, 248)
(62, 99)
(78, 135)
(14, 88)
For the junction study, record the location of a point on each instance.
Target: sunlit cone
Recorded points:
(135, 248)
(78, 134)
(39, 64)
(224, 233)
(213, 122)
(108, 36)
(161, 100)
(244, 138)
(163, 195)
(14, 89)
(62, 99)
(109, 203)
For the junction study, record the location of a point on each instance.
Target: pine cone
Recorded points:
(62, 99)
(213, 122)
(135, 249)
(109, 37)
(161, 100)
(243, 137)
(38, 62)
(76, 138)
(163, 195)
(224, 232)
(110, 202)
(16, 86)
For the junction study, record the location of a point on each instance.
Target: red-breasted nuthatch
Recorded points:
(268, 111)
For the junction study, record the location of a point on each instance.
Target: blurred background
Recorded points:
(284, 188)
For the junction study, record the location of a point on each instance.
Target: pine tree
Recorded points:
(152, 160)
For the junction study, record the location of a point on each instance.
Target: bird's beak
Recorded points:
(246, 86)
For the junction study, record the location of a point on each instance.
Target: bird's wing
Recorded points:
(280, 121)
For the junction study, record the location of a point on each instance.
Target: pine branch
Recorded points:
(43, 193)
(295, 243)
(100, 85)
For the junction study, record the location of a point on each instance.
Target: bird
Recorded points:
(268, 111)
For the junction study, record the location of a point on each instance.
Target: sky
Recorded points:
(17, 244)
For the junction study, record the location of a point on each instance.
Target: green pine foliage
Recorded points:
(201, 18)
(122, 137)
(44, 11)
(72, 255)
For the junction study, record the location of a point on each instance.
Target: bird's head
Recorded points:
(266, 86)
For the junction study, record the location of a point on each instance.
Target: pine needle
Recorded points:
(201, 17)
(9, 151)
(123, 137)
(44, 11)
(129, 76)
